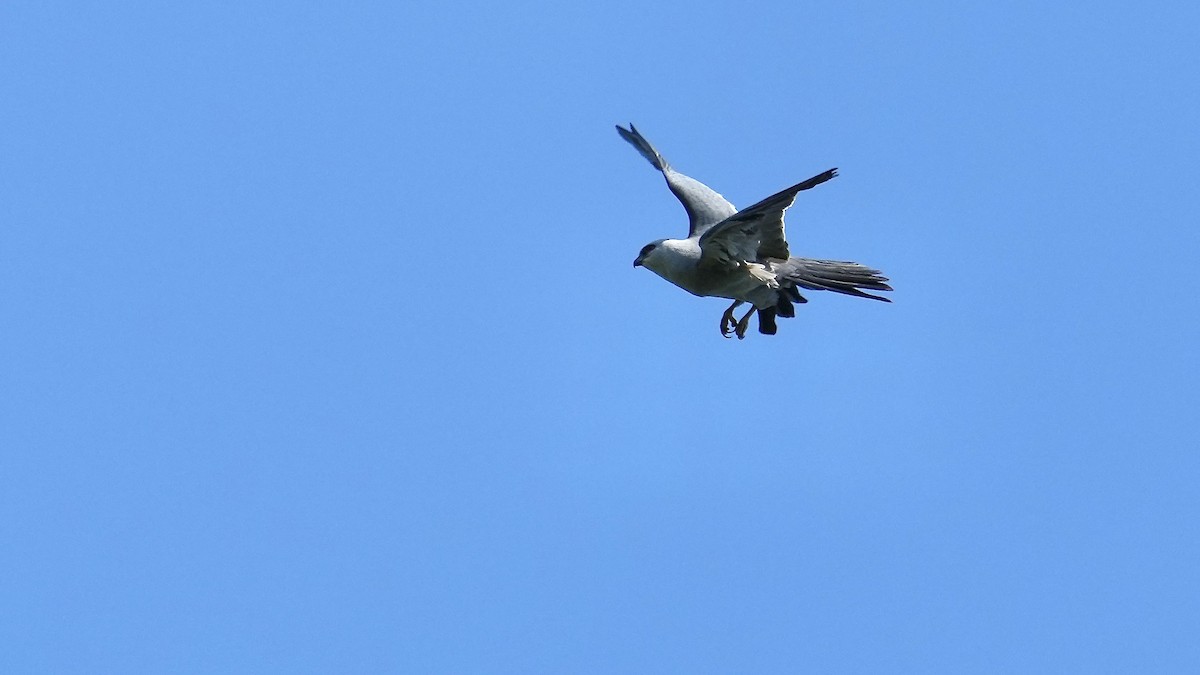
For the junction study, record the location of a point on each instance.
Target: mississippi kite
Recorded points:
(743, 255)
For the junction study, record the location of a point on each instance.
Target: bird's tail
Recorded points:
(766, 321)
(832, 275)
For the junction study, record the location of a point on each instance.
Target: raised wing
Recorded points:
(756, 232)
(704, 206)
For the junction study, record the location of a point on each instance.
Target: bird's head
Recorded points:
(649, 254)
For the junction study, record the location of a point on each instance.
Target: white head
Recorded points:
(650, 254)
(671, 259)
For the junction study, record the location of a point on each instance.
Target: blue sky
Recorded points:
(324, 353)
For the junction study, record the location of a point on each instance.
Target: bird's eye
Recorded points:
(646, 249)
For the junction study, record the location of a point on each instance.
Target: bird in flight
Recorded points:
(743, 255)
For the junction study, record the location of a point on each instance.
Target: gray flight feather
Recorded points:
(704, 206)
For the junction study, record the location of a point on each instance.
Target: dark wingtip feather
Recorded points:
(817, 180)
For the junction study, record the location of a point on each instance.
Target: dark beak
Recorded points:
(638, 262)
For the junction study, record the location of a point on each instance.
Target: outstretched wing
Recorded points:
(704, 206)
(756, 232)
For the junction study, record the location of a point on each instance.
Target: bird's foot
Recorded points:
(728, 323)
(740, 329)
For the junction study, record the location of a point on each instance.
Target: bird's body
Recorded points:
(743, 255)
(678, 261)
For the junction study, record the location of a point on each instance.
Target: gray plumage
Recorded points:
(704, 206)
(744, 255)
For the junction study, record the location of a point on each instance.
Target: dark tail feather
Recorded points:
(783, 306)
(841, 277)
(794, 294)
(766, 321)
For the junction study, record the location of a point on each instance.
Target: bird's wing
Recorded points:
(756, 232)
(704, 206)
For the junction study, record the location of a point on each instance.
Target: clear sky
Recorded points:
(323, 350)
